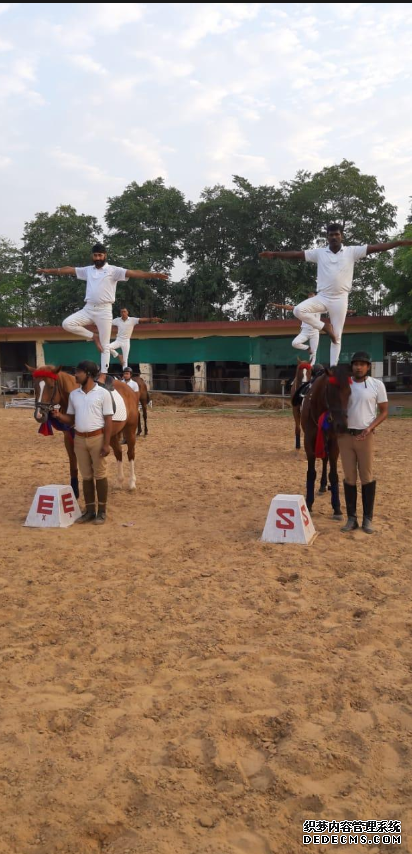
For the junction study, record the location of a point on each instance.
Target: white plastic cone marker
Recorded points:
(288, 521)
(54, 506)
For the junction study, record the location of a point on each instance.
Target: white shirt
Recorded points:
(125, 327)
(307, 328)
(89, 409)
(335, 269)
(363, 400)
(101, 284)
(131, 383)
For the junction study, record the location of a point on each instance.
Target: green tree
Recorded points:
(56, 240)
(148, 225)
(265, 220)
(397, 279)
(15, 303)
(207, 289)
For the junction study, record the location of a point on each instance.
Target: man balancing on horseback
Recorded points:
(334, 282)
(102, 279)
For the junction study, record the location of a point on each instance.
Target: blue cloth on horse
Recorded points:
(46, 429)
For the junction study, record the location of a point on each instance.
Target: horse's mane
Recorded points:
(341, 373)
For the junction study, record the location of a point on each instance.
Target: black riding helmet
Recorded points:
(361, 356)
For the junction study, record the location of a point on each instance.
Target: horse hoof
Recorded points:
(322, 490)
(132, 488)
(337, 517)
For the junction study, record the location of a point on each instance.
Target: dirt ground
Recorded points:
(170, 685)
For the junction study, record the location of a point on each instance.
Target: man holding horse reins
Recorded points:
(102, 279)
(334, 281)
(90, 410)
(367, 398)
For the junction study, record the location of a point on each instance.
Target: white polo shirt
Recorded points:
(89, 409)
(363, 400)
(101, 284)
(335, 269)
(306, 328)
(132, 384)
(125, 327)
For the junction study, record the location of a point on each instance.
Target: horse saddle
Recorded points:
(300, 394)
(108, 385)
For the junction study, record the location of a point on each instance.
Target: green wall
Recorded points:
(268, 350)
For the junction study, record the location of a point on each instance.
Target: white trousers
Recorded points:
(336, 307)
(101, 315)
(124, 344)
(300, 343)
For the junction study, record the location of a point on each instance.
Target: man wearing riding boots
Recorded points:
(101, 279)
(367, 408)
(90, 410)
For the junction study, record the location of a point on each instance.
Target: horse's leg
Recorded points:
(74, 474)
(130, 436)
(115, 444)
(144, 408)
(334, 478)
(324, 479)
(139, 424)
(296, 415)
(311, 471)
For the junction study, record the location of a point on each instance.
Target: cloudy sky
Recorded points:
(93, 96)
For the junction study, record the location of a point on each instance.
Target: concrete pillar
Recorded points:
(146, 373)
(255, 379)
(377, 370)
(199, 381)
(40, 360)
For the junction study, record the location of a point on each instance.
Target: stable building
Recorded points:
(253, 356)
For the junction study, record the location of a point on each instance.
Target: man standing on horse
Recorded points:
(367, 408)
(90, 410)
(102, 279)
(334, 282)
(125, 326)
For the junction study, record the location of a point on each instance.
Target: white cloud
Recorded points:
(5, 46)
(163, 68)
(75, 163)
(147, 151)
(87, 64)
(4, 161)
(112, 16)
(16, 82)
(215, 18)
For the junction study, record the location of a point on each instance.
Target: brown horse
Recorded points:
(144, 400)
(49, 392)
(304, 375)
(328, 397)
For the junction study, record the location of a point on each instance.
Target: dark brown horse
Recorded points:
(328, 397)
(303, 375)
(144, 400)
(52, 390)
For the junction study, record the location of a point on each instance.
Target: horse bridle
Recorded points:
(40, 407)
(329, 409)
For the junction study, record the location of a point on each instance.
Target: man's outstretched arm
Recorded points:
(297, 254)
(142, 274)
(57, 271)
(384, 247)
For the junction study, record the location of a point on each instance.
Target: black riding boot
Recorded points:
(368, 500)
(89, 497)
(102, 487)
(351, 494)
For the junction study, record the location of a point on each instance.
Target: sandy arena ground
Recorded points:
(170, 685)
